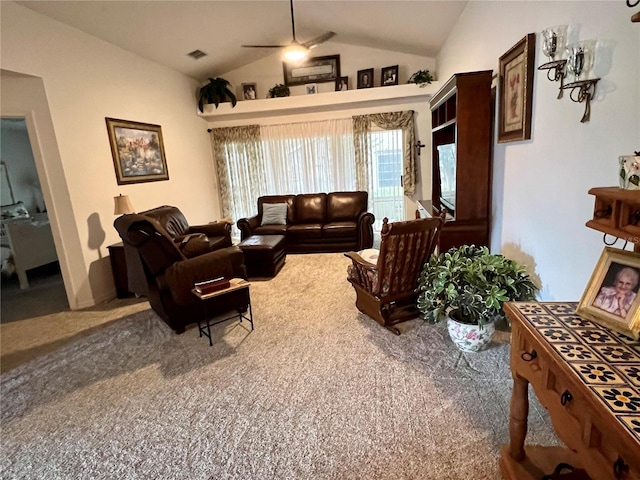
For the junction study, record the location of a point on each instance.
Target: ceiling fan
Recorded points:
(296, 50)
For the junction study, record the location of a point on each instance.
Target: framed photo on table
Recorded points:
(516, 91)
(137, 150)
(342, 84)
(611, 297)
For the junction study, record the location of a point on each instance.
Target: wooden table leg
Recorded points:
(518, 417)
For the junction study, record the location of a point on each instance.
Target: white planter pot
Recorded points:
(470, 338)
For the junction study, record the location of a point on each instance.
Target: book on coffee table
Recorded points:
(232, 284)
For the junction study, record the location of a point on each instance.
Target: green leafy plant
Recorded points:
(470, 284)
(421, 77)
(216, 91)
(279, 90)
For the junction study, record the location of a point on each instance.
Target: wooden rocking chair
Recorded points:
(387, 290)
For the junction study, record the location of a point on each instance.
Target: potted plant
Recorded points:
(468, 285)
(216, 92)
(421, 77)
(279, 90)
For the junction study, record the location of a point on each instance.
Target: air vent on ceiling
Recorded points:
(197, 54)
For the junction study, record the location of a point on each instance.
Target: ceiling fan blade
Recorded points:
(264, 46)
(318, 40)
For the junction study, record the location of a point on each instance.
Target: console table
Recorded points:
(588, 378)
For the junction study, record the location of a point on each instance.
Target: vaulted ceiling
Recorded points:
(166, 31)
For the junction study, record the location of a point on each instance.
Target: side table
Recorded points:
(119, 270)
(235, 284)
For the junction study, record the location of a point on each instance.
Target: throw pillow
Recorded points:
(274, 214)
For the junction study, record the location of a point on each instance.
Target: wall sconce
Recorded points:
(122, 205)
(553, 40)
(579, 61)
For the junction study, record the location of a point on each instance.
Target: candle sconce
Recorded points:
(583, 91)
(553, 41)
(555, 72)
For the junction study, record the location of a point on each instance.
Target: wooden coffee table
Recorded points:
(204, 328)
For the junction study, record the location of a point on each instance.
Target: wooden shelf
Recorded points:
(320, 102)
(617, 213)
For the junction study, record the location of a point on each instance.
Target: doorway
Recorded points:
(32, 283)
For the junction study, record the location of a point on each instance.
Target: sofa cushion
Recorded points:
(288, 199)
(305, 231)
(340, 230)
(310, 208)
(274, 214)
(343, 206)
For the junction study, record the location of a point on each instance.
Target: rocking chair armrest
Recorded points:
(358, 261)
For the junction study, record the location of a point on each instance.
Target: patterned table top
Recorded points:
(608, 362)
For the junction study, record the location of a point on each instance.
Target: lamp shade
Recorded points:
(122, 205)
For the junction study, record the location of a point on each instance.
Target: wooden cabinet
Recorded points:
(119, 269)
(462, 115)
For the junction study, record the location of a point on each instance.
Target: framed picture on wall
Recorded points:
(314, 69)
(611, 297)
(137, 150)
(516, 91)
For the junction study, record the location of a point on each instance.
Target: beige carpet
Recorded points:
(317, 391)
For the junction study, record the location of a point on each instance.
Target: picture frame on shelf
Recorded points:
(365, 78)
(311, 88)
(516, 91)
(611, 297)
(342, 84)
(312, 70)
(389, 76)
(249, 91)
(137, 150)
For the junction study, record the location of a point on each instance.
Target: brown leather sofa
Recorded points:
(191, 240)
(316, 222)
(170, 276)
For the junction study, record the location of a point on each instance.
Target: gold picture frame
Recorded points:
(138, 151)
(611, 297)
(516, 91)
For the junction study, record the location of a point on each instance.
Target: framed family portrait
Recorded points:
(516, 91)
(611, 297)
(312, 70)
(249, 91)
(342, 84)
(389, 76)
(365, 78)
(137, 150)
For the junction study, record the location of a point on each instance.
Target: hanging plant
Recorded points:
(421, 77)
(279, 90)
(216, 91)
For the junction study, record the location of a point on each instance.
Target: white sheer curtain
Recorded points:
(309, 157)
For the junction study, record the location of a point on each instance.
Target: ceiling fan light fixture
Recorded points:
(295, 53)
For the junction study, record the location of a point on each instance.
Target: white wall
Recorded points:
(540, 185)
(83, 80)
(268, 72)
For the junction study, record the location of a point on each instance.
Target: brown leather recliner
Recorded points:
(191, 240)
(170, 275)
